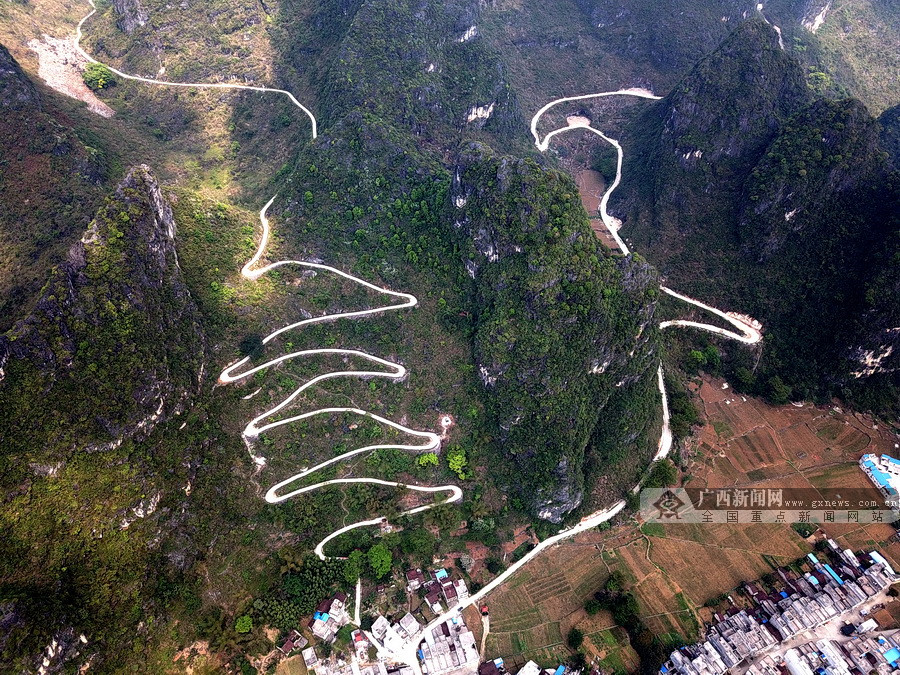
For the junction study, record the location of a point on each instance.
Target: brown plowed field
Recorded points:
(674, 569)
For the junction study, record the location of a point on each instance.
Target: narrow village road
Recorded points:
(485, 629)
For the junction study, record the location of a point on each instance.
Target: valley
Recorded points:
(501, 421)
(660, 561)
(750, 329)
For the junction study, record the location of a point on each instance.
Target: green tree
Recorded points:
(615, 583)
(380, 560)
(427, 459)
(418, 541)
(713, 359)
(746, 380)
(779, 392)
(575, 639)
(445, 517)
(696, 361)
(663, 474)
(97, 76)
(244, 624)
(457, 461)
(353, 566)
(494, 565)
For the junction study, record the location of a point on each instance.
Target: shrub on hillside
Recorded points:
(97, 76)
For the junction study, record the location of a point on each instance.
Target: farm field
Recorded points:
(744, 442)
(532, 614)
(590, 187)
(291, 666)
(747, 441)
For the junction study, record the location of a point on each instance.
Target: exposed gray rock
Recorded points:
(131, 13)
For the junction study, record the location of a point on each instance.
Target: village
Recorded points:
(817, 620)
(330, 644)
(811, 619)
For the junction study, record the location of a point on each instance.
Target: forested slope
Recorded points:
(113, 348)
(51, 180)
(787, 196)
(559, 325)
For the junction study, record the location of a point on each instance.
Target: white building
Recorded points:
(449, 647)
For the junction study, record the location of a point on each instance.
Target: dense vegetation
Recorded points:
(93, 335)
(97, 76)
(145, 530)
(786, 197)
(555, 321)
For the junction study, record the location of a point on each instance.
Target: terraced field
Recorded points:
(744, 442)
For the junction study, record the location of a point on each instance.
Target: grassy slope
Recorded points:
(853, 52)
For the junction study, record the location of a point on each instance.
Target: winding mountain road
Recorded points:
(233, 373)
(193, 85)
(750, 334)
(576, 122)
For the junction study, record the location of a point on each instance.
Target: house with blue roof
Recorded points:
(884, 472)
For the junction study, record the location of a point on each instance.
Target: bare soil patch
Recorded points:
(591, 187)
(60, 65)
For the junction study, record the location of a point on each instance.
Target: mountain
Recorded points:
(742, 173)
(559, 326)
(51, 181)
(133, 512)
(88, 361)
(112, 348)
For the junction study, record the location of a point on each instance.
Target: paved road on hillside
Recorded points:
(430, 441)
(193, 85)
(233, 373)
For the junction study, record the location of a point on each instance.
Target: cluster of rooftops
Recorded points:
(755, 636)
(436, 585)
(884, 472)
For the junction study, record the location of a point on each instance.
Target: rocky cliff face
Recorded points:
(131, 13)
(670, 36)
(114, 343)
(50, 184)
(559, 327)
(827, 151)
(746, 189)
